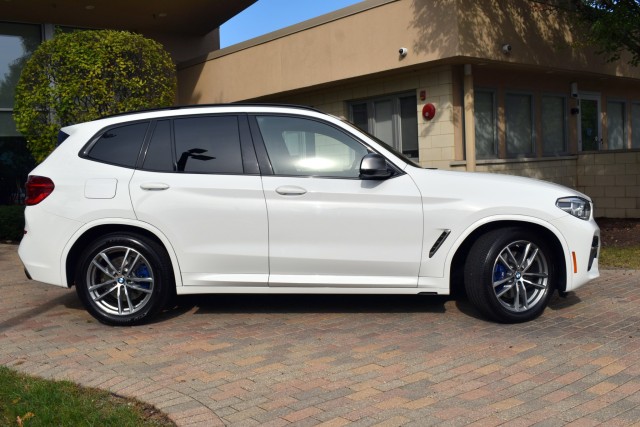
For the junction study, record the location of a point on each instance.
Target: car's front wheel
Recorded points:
(510, 275)
(124, 279)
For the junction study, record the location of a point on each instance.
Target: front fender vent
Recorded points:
(439, 243)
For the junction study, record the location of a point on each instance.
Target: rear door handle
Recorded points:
(291, 190)
(154, 186)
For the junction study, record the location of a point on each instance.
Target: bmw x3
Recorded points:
(135, 208)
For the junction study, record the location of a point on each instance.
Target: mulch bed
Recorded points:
(619, 232)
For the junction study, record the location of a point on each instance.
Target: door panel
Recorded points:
(217, 224)
(343, 232)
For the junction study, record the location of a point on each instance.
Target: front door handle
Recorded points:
(291, 190)
(154, 186)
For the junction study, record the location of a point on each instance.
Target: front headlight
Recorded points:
(576, 206)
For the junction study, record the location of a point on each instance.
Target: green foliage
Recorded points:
(85, 75)
(613, 26)
(11, 223)
(32, 402)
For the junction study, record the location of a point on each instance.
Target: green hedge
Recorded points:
(84, 75)
(11, 223)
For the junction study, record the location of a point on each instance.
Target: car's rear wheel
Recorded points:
(510, 275)
(124, 279)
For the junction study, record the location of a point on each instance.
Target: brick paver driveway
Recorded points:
(277, 360)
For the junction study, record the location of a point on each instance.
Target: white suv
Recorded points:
(282, 199)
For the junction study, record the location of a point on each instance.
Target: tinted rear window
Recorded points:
(120, 145)
(208, 145)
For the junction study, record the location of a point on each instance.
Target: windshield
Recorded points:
(384, 145)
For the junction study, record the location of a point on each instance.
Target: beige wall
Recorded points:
(361, 44)
(613, 181)
(540, 36)
(365, 42)
(183, 47)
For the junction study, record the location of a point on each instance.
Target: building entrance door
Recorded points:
(589, 123)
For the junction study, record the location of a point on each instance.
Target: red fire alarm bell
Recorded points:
(428, 111)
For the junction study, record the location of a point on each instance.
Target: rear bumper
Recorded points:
(42, 245)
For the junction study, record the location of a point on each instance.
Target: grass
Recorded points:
(627, 257)
(27, 401)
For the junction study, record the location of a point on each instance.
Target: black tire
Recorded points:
(124, 279)
(505, 288)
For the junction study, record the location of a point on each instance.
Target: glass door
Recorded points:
(589, 123)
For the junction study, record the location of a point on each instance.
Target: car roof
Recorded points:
(199, 106)
(185, 110)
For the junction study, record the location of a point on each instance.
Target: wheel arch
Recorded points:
(91, 231)
(553, 237)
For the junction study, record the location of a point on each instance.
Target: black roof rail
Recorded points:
(181, 107)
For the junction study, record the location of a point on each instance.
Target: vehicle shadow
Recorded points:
(235, 303)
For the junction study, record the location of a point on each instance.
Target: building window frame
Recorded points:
(564, 121)
(396, 119)
(532, 153)
(624, 124)
(634, 137)
(494, 122)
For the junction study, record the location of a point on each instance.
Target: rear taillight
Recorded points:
(38, 188)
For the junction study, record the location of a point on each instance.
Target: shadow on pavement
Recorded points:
(207, 304)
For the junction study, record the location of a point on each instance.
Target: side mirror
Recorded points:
(374, 166)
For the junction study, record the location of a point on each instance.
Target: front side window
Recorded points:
(208, 145)
(120, 145)
(304, 147)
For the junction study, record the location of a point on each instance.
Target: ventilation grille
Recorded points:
(439, 243)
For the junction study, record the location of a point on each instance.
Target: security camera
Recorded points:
(506, 48)
(574, 90)
(403, 51)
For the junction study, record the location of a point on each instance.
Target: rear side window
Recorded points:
(120, 145)
(208, 145)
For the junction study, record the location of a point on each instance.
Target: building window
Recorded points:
(393, 119)
(485, 120)
(616, 125)
(635, 125)
(17, 43)
(554, 129)
(519, 135)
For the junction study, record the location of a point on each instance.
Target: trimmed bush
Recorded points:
(86, 75)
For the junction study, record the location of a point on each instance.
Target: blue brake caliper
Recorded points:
(499, 273)
(142, 271)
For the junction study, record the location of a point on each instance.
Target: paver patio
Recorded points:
(338, 360)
